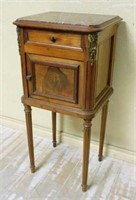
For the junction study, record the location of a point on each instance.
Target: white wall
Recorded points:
(121, 128)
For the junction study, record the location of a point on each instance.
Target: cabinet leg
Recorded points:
(86, 150)
(30, 136)
(102, 132)
(54, 128)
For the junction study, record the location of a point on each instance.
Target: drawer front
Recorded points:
(54, 80)
(54, 38)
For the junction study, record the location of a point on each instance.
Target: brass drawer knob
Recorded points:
(29, 77)
(52, 38)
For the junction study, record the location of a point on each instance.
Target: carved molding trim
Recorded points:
(87, 123)
(93, 38)
(27, 109)
(19, 38)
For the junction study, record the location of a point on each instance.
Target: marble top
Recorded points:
(76, 19)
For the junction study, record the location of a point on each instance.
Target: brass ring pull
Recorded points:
(52, 38)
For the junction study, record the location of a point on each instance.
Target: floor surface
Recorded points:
(58, 175)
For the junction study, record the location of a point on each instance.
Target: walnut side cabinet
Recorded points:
(67, 66)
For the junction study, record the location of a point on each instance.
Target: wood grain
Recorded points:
(60, 38)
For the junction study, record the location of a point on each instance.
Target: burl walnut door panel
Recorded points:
(54, 79)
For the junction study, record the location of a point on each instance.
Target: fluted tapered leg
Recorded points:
(102, 132)
(86, 151)
(54, 128)
(30, 136)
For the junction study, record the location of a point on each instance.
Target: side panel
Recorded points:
(103, 66)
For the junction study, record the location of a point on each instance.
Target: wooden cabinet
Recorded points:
(67, 66)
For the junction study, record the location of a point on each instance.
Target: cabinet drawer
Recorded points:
(54, 38)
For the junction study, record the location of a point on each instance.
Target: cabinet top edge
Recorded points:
(68, 21)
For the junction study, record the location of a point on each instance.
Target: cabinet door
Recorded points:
(54, 79)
